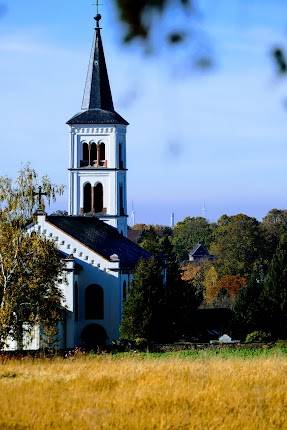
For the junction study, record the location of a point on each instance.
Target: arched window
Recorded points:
(124, 291)
(102, 152)
(98, 198)
(87, 198)
(85, 152)
(94, 303)
(93, 153)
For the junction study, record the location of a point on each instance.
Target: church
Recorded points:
(92, 238)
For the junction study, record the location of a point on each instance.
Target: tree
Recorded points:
(262, 305)
(248, 307)
(138, 17)
(185, 297)
(142, 312)
(210, 283)
(190, 271)
(160, 303)
(228, 289)
(273, 227)
(18, 201)
(188, 233)
(232, 284)
(237, 245)
(30, 267)
(274, 294)
(29, 264)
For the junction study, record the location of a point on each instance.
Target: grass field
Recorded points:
(140, 391)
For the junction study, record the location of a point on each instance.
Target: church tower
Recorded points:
(97, 162)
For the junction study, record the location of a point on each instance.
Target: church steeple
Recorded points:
(97, 106)
(97, 165)
(98, 93)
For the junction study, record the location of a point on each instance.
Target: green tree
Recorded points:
(30, 267)
(237, 245)
(156, 240)
(273, 227)
(29, 264)
(143, 308)
(18, 201)
(188, 233)
(248, 307)
(138, 17)
(274, 294)
(184, 298)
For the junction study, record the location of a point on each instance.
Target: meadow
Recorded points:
(197, 390)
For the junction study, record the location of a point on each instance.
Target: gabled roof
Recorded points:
(100, 237)
(199, 250)
(97, 106)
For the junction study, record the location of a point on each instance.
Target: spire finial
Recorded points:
(98, 17)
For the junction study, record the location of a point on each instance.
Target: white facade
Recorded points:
(94, 286)
(109, 172)
(84, 268)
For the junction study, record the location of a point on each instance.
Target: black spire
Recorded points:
(97, 106)
(98, 93)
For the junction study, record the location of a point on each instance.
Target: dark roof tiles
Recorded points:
(100, 237)
(97, 116)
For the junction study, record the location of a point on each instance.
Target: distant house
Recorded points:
(199, 254)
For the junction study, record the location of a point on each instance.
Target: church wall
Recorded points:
(112, 300)
(95, 270)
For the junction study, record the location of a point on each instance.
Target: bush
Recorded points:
(281, 344)
(258, 336)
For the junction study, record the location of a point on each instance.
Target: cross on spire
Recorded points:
(97, 4)
(39, 194)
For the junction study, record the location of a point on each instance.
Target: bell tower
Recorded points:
(97, 162)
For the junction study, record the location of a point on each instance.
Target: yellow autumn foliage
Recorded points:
(210, 285)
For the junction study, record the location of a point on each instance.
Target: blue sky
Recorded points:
(218, 137)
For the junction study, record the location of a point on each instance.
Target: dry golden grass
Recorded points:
(130, 393)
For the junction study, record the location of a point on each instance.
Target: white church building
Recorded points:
(92, 239)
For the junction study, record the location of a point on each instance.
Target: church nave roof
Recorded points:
(100, 237)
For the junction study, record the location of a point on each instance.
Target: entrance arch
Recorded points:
(93, 335)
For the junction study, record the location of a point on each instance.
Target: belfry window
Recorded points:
(87, 198)
(94, 303)
(102, 153)
(98, 198)
(93, 153)
(85, 152)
